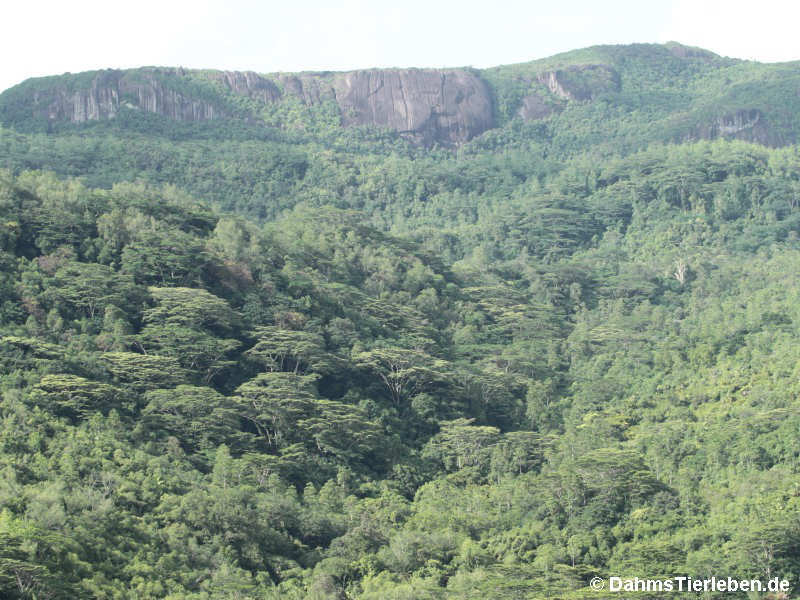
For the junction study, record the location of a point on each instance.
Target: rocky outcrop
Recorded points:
(248, 83)
(100, 101)
(310, 88)
(734, 123)
(151, 95)
(110, 90)
(535, 107)
(745, 124)
(580, 83)
(445, 107)
(554, 82)
(426, 106)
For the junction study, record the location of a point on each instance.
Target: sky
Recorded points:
(53, 37)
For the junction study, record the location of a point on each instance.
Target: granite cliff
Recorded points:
(581, 82)
(425, 105)
(103, 95)
(673, 92)
(746, 124)
(428, 105)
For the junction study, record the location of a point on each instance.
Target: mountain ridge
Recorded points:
(445, 107)
(277, 355)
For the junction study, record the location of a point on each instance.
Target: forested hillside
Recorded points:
(259, 361)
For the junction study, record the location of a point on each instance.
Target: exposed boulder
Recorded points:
(747, 124)
(535, 107)
(426, 105)
(583, 82)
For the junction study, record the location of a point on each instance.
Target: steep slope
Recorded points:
(311, 408)
(672, 92)
(642, 92)
(567, 350)
(445, 106)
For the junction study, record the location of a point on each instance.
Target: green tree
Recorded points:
(200, 418)
(74, 397)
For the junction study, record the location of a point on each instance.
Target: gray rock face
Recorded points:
(578, 83)
(250, 84)
(109, 90)
(151, 96)
(100, 101)
(535, 107)
(309, 88)
(741, 120)
(746, 124)
(426, 106)
(581, 83)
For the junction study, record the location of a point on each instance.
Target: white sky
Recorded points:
(52, 37)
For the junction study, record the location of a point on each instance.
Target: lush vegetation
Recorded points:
(266, 158)
(495, 372)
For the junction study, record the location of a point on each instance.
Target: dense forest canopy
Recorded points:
(285, 359)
